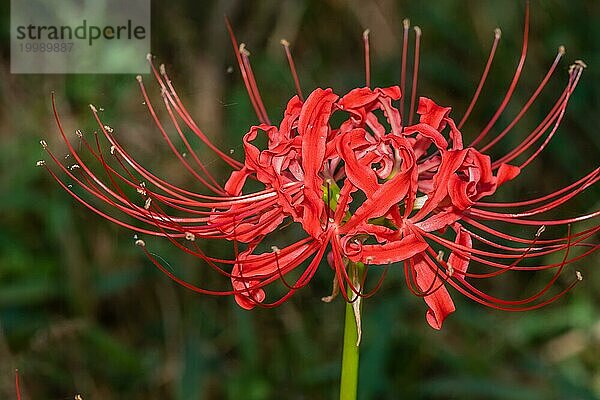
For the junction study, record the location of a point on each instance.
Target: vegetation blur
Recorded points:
(83, 311)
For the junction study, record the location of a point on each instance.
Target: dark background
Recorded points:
(83, 311)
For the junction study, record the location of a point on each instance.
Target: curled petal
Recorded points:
(432, 114)
(439, 301)
(390, 252)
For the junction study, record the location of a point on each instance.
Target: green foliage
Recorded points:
(83, 311)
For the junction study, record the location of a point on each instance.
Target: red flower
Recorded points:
(370, 190)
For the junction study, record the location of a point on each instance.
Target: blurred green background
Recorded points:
(83, 311)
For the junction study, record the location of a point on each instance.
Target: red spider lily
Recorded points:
(370, 191)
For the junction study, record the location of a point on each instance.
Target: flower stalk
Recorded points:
(352, 335)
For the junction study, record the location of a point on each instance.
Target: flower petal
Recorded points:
(440, 303)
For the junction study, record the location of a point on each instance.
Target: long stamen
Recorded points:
(17, 386)
(576, 71)
(561, 52)
(246, 75)
(415, 79)
(253, 86)
(365, 36)
(216, 189)
(405, 26)
(497, 35)
(513, 83)
(288, 53)
(167, 87)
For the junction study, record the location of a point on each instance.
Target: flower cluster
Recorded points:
(377, 189)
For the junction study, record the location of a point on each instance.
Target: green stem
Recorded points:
(350, 352)
(349, 382)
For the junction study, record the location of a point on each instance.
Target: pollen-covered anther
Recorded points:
(284, 43)
(440, 256)
(190, 236)
(40, 163)
(44, 144)
(139, 78)
(112, 149)
(275, 249)
(108, 129)
(561, 50)
(162, 69)
(243, 50)
(417, 30)
(541, 230)
(366, 33)
(78, 133)
(149, 57)
(93, 108)
(579, 276)
(142, 189)
(406, 23)
(147, 203)
(369, 259)
(419, 202)
(74, 166)
(450, 270)
(497, 33)
(231, 151)
(578, 65)
(140, 243)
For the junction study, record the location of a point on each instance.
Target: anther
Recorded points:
(417, 30)
(78, 132)
(561, 50)
(450, 270)
(190, 236)
(366, 33)
(497, 33)
(406, 23)
(369, 259)
(44, 144)
(147, 203)
(93, 108)
(579, 276)
(40, 163)
(275, 249)
(74, 166)
(149, 57)
(540, 231)
(162, 69)
(440, 256)
(109, 129)
(284, 43)
(140, 243)
(231, 151)
(581, 63)
(184, 154)
(141, 190)
(112, 149)
(243, 50)
(139, 78)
